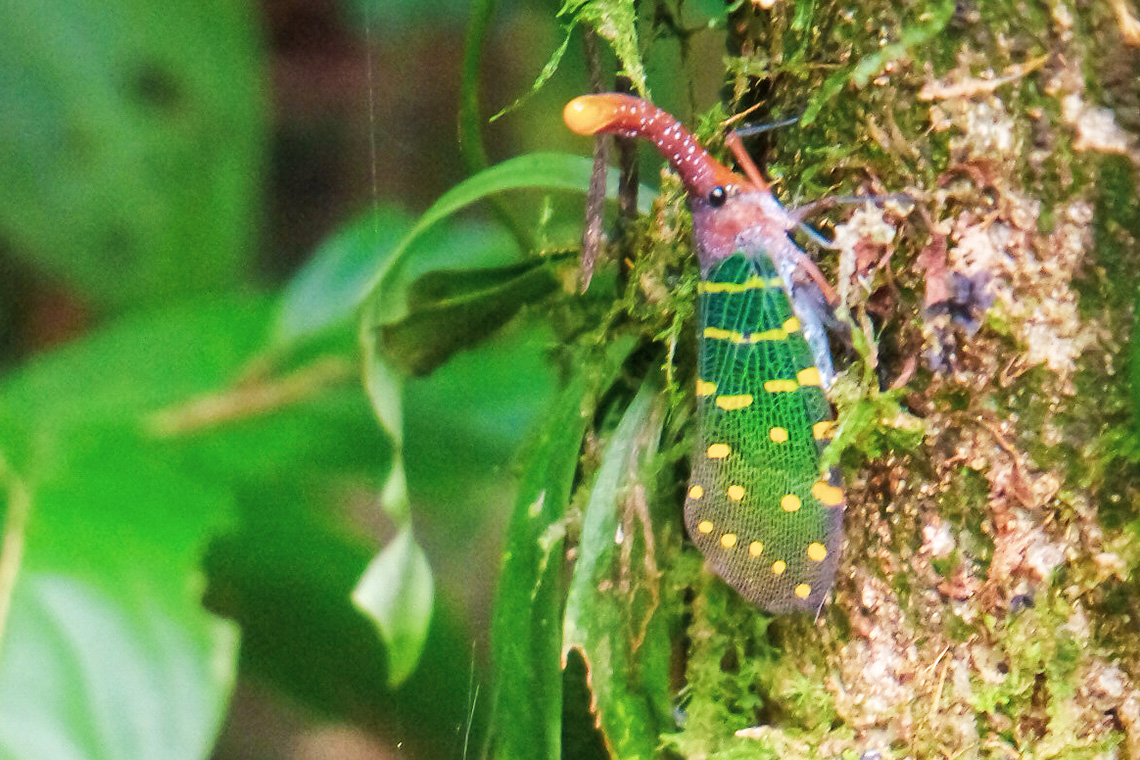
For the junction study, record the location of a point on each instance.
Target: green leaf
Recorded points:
(526, 632)
(611, 607)
(549, 69)
(613, 20)
(105, 618)
(396, 593)
(327, 290)
(544, 171)
(461, 314)
(387, 300)
(324, 295)
(286, 576)
(474, 411)
(140, 363)
(442, 285)
(133, 143)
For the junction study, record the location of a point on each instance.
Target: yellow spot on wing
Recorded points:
(756, 548)
(790, 502)
(696, 492)
(822, 430)
(728, 540)
(718, 451)
(779, 566)
(803, 591)
(792, 325)
(809, 376)
(830, 495)
(705, 388)
(734, 402)
(776, 386)
(705, 526)
(816, 551)
(778, 434)
(736, 493)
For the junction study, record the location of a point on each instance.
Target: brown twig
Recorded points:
(250, 400)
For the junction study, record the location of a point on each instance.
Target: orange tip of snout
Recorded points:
(586, 114)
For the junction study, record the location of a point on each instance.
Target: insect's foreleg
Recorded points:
(744, 161)
(805, 267)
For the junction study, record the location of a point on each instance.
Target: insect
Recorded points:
(764, 513)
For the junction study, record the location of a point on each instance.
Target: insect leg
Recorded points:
(747, 165)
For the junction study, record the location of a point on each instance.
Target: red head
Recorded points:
(723, 202)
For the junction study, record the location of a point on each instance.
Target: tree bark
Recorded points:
(988, 601)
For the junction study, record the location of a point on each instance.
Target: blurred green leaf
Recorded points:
(107, 651)
(386, 301)
(139, 364)
(105, 618)
(328, 289)
(330, 437)
(106, 610)
(396, 592)
(323, 296)
(473, 412)
(132, 143)
(526, 632)
(286, 576)
(456, 284)
(614, 595)
(449, 314)
(388, 296)
(288, 572)
(545, 171)
(706, 11)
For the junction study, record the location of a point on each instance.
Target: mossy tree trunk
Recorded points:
(988, 602)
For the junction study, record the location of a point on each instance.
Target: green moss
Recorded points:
(959, 503)
(727, 644)
(1103, 414)
(957, 629)
(1026, 698)
(943, 566)
(737, 677)
(1110, 283)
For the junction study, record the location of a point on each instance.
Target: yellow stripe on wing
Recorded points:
(755, 282)
(717, 333)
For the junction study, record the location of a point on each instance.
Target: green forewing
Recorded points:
(760, 508)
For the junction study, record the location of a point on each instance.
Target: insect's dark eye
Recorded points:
(717, 196)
